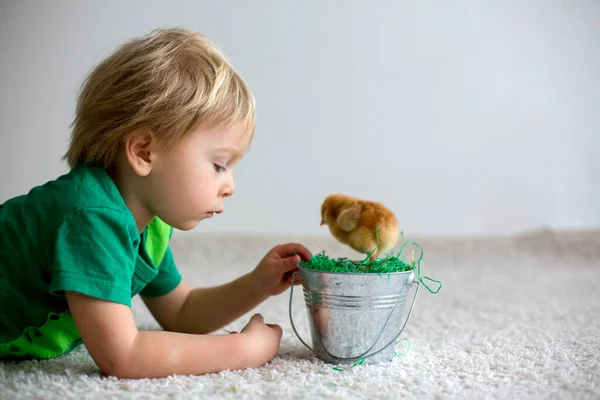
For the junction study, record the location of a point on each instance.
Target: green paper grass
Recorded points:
(381, 266)
(384, 265)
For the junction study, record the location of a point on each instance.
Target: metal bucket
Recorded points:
(354, 315)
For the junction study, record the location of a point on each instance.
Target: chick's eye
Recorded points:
(219, 168)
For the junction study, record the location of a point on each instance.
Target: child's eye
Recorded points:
(219, 168)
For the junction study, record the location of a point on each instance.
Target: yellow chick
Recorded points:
(354, 222)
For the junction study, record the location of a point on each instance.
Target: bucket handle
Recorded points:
(364, 355)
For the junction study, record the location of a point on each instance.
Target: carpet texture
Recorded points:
(517, 318)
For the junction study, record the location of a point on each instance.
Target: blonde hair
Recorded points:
(168, 82)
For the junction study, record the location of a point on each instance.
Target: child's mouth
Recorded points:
(211, 214)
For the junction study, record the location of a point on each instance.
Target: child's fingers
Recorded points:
(288, 264)
(291, 249)
(257, 317)
(277, 328)
(289, 276)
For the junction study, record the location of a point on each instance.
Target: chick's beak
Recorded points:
(322, 222)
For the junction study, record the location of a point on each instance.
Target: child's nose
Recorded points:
(228, 190)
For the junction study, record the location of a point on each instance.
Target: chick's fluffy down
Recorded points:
(355, 222)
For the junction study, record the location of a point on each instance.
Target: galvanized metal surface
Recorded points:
(354, 315)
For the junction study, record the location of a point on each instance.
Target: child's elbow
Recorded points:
(123, 371)
(114, 365)
(117, 368)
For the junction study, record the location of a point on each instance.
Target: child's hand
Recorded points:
(273, 275)
(263, 340)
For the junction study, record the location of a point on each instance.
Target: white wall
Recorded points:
(483, 116)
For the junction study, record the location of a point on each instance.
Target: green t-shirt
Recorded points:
(74, 233)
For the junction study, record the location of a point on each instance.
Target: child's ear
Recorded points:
(138, 150)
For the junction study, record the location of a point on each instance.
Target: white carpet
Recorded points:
(516, 318)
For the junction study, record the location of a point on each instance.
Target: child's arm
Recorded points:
(109, 332)
(205, 310)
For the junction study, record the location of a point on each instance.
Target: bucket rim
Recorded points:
(356, 273)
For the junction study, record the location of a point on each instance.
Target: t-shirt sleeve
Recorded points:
(93, 254)
(166, 280)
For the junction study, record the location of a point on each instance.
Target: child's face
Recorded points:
(190, 183)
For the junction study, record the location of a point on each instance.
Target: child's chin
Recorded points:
(187, 225)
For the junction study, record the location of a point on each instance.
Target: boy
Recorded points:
(159, 127)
